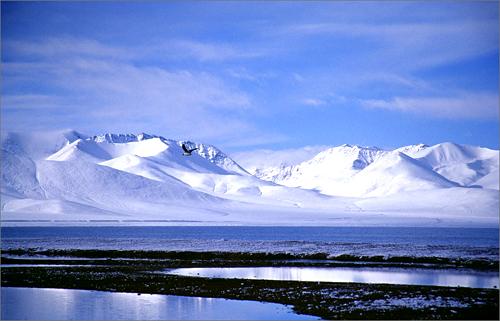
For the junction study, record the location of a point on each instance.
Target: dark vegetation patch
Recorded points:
(256, 258)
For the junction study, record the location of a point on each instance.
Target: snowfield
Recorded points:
(71, 178)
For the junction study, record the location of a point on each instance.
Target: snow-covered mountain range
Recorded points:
(369, 171)
(71, 178)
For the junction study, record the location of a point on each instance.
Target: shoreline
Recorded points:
(138, 272)
(216, 258)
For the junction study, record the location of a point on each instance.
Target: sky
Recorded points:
(255, 75)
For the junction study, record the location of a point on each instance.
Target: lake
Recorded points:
(461, 243)
(387, 241)
(64, 304)
(441, 277)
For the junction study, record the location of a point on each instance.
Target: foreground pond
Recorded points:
(360, 275)
(64, 304)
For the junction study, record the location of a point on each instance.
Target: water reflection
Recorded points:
(2, 266)
(361, 275)
(63, 304)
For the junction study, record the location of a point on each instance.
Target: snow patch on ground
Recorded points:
(417, 302)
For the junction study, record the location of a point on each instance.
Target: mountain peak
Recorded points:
(121, 138)
(351, 156)
(144, 136)
(71, 135)
(215, 155)
(412, 149)
(357, 146)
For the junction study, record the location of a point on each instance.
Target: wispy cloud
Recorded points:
(313, 102)
(245, 75)
(28, 101)
(65, 47)
(203, 51)
(408, 45)
(89, 86)
(471, 105)
(394, 79)
(206, 51)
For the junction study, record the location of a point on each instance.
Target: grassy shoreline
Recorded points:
(192, 258)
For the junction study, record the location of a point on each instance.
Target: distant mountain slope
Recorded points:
(489, 180)
(256, 160)
(72, 173)
(207, 169)
(411, 149)
(67, 176)
(110, 146)
(356, 171)
(328, 170)
(463, 164)
(112, 189)
(21, 151)
(393, 173)
(38, 145)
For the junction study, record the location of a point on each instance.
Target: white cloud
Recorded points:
(243, 73)
(392, 78)
(313, 102)
(67, 46)
(297, 77)
(208, 51)
(28, 101)
(203, 51)
(257, 138)
(409, 46)
(471, 105)
(90, 90)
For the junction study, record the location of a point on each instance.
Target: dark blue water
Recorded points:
(413, 241)
(397, 235)
(65, 304)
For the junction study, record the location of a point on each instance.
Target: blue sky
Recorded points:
(248, 75)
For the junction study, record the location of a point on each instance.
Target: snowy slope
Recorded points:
(69, 177)
(38, 145)
(20, 151)
(463, 164)
(410, 150)
(489, 180)
(110, 146)
(111, 189)
(472, 206)
(368, 171)
(129, 174)
(257, 160)
(328, 171)
(159, 159)
(208, 170)
(393, 173)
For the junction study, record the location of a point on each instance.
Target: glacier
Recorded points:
(68, 178)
